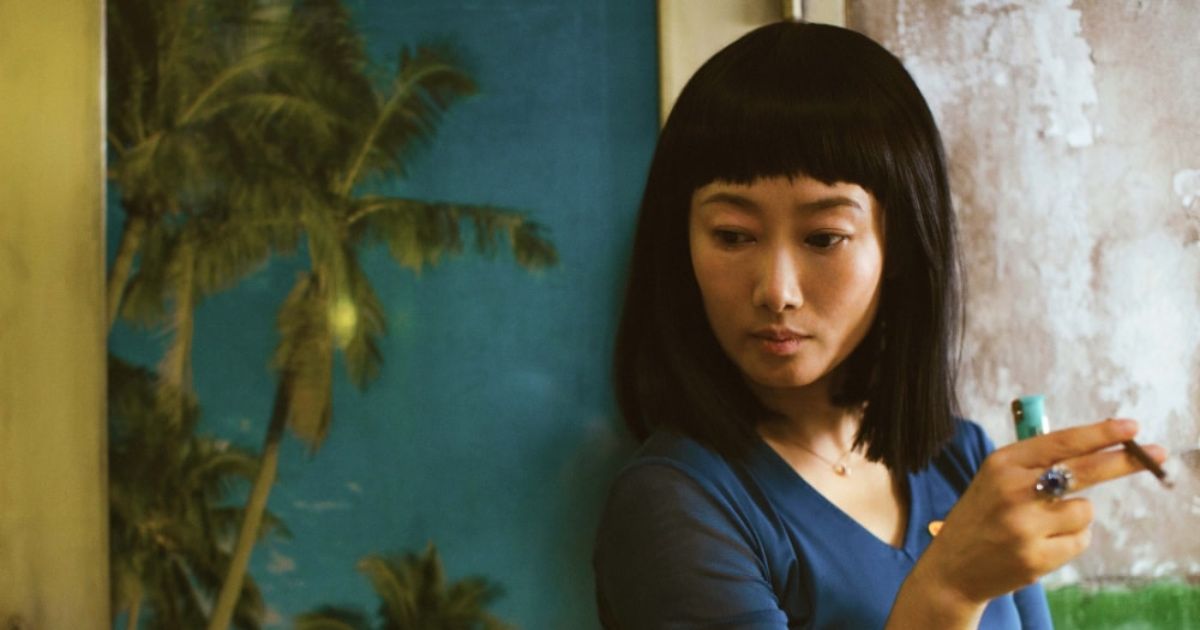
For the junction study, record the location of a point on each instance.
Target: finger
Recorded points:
(1068, 516)
(1097, 468)
(1045, 450)
(1059, 550)
(1031, 562)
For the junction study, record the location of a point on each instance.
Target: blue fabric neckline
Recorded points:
(777, 473)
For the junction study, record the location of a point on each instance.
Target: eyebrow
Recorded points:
(816, 205)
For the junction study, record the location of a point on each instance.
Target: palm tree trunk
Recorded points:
(175, 369)
(256, 505)
(118, 276)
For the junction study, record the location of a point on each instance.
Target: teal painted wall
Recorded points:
(491, 430)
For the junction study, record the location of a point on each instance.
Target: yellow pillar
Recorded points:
(53, 469)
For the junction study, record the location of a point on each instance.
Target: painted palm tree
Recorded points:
(169, 530)
(333, 307)
(194, 94)
(206, 253)
(187, 91)
(414, 595)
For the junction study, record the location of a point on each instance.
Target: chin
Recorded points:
(792, 379)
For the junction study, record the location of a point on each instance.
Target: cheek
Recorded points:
(843, 289)
(720, 291)
(866, 276)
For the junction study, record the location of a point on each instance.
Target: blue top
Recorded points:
(690, 539)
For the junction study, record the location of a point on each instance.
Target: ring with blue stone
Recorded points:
(1054, 483)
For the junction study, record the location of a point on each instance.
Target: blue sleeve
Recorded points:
(978, 444)
(1033, 608)
(669, 554)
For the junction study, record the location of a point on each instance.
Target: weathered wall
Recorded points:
(1072, 133)
(53, 513)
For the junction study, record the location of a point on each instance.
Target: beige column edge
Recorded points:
(53, 467)
(691, 31)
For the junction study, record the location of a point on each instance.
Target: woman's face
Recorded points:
(789, 270)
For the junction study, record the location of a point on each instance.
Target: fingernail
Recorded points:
(1128, 426)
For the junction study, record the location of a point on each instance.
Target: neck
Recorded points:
(808, 418)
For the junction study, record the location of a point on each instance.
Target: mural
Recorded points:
(304, 388)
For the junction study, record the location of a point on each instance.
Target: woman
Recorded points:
(786, 351)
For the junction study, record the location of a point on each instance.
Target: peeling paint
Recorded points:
(1050, 55)
(1187, 186)
(1071, 139)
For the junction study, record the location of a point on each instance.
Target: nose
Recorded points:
(777, 287)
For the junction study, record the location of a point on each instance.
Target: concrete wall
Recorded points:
(53, 508)
(1072, 132)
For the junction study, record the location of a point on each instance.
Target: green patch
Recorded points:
(1154, 606)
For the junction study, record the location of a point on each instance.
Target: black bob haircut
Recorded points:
(792, 99)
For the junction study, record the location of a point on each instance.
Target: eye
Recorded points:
(731, 238)
(825, 240)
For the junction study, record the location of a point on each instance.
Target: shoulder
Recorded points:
(676, 496)
(674, 472)
(673, 450)
(962, 456)
(971, 440)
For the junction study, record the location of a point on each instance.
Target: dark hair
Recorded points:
(798, 99)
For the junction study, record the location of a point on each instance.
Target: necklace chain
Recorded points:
(839, 465)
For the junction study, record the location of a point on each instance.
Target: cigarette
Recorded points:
(1136, 451)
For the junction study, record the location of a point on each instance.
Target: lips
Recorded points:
(780, 341)
(779, 334)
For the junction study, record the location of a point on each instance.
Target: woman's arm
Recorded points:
(1001, 536)
(670, 554)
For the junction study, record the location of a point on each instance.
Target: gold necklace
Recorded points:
(839, 465)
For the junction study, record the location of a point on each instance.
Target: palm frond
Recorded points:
(286, 113)
(430, 578)
(531, 250)
(419, 233)
(390, 579)
(305, 357)
(167, 165)
(488, 621)
(530, 247)
(414, 593)
(215, 464)
(363, 357)
(232, 244)
(416, 233)
(426, 83)
(130, 52)
(471, 594)
(209, 251)
(166, 521)
(246, 69)
(225, 521)
(332, 618)
(326, 29)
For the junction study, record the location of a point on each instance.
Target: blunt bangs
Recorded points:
(788, 100)
(827, 105)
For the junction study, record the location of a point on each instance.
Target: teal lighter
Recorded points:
(1029, 416)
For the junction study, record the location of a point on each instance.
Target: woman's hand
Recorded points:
(1001, 535)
